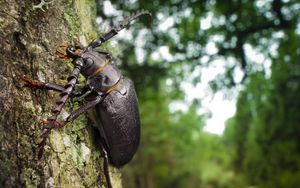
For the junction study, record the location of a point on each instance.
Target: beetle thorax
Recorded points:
(92, 62)
(101, 75)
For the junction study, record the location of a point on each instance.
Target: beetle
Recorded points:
(110, 96)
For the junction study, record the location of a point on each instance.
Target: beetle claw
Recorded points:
(31, 83)
(48, 124)
(61, 51)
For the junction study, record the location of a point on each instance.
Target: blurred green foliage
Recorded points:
(260, 146)
(265, 131)
(175, 152)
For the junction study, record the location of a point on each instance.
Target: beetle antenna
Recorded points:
(50, 122)
(114, 31)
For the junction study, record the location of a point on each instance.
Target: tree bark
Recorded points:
(29, 36)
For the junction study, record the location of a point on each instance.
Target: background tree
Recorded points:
(255, 39)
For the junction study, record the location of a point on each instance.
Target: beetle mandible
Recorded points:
(111, 96)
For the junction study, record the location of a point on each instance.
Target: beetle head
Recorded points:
(71, 51)
(74, 51)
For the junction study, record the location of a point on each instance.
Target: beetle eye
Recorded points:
(89, 62)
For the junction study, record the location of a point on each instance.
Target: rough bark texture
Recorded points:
(28, 39)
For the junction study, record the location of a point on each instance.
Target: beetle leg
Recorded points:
(36, 84)
(105, 166)
(59, 124)
(80, 92)
(84, 108)
(52, 124)
(42, 144)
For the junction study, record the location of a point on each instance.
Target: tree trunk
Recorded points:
(29, 36)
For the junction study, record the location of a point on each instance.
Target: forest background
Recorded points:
(251, 51)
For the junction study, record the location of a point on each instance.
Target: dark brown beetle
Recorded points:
(111, 97)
